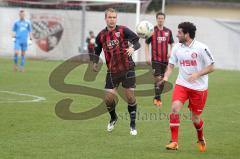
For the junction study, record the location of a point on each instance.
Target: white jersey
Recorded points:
(191, 59)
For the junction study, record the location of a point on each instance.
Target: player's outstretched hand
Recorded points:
(95, 67)
(165, 79)
(130, 51)
(168, 56)
(161, 82)
(193, 77)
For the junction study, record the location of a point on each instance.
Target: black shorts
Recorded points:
(159, 68)
(127, 79)
(91, 54)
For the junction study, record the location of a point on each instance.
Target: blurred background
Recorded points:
(60, 28)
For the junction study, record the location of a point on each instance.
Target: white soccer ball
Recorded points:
(144, 29)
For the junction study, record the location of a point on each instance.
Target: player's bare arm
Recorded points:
(168, 72)
(147, 54)
(170, 51)
(204, 71)
(30, 35)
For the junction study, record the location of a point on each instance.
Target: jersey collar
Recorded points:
(191, 45)
(156, 28)
(106, 29)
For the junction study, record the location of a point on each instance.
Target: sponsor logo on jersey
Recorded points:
(23, 26)
(117, 34)
(194, 55)
(160, 39)
(112, 43)
(188, 63)
(166, 34)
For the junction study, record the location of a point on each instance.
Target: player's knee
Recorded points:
(131, 99)
(158, 79)
(174, 111)
(110, 103)
(23, 53)
(176, 106)
(108, 99)
(196, 118)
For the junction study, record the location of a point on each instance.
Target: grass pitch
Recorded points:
(31, 129)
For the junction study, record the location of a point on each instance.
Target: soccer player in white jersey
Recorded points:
(195, 63)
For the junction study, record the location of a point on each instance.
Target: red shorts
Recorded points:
(197, 99)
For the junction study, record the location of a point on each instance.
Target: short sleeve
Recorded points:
(173, 58)
(14, 29)
(148, 40)
(29, 27)
(207, 56)
(171, 41)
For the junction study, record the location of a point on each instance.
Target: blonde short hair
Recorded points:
(111, 10)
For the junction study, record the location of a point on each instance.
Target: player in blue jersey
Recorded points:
(21, 31)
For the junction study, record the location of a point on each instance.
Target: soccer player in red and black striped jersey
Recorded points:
(160, 41)
(118, 44)
(91, 43)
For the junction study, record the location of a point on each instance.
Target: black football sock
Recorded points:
(157, 91)
(111, 109)
(132, 108)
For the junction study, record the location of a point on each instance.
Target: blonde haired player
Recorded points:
(114, 41)
(195, 63)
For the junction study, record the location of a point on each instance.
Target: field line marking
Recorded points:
(35, 98)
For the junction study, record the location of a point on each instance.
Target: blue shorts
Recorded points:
(20, 46)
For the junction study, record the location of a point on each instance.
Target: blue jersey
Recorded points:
(22, 29)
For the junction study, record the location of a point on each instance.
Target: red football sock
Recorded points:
(174, 125)
(199, 128)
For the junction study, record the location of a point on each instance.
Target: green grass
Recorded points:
(33, 130)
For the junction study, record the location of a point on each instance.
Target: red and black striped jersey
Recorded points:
(90, 45)
(159, 43)
(114, 44)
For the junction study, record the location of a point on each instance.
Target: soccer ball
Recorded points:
(144, 29)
